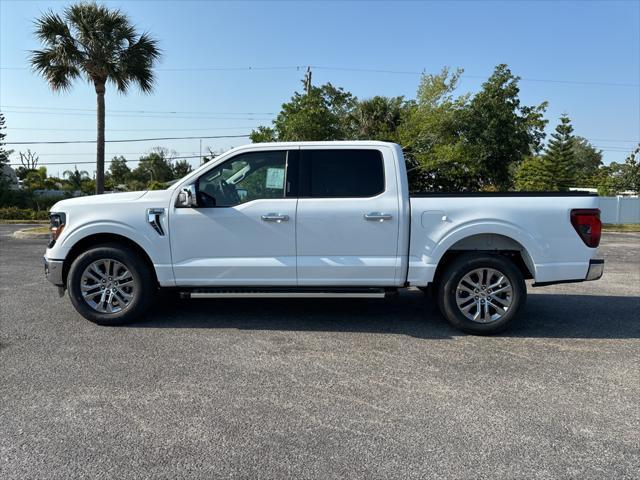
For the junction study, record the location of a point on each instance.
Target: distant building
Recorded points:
(47, 193)
(583, 189)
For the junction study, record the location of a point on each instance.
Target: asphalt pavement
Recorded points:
(320, 388)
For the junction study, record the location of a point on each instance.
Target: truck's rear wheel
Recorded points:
(110, 285)
(481, 293)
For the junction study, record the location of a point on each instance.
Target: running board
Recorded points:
(228, 293)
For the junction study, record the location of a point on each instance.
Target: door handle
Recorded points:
(275, 217)
(377, 216)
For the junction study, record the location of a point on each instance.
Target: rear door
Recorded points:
(347, 219)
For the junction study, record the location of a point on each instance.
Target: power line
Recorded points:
(464, 75)
(106, 161)
(613, 140)
(611, 148)
(89, 153)
(129, 129)
(57, 142)
(80, 109)
(376, 70)
(128, 115)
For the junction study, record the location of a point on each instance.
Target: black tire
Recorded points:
(459, 268)
(144, 281)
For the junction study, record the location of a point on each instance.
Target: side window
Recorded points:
(342, 173)
(243, 178)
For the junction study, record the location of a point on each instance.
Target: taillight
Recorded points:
(587, 223)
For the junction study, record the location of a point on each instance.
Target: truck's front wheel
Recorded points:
(481, 293)
(110, 285)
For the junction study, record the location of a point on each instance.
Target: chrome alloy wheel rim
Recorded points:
(107, 286)
(484, 295)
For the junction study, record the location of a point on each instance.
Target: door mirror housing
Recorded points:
(187, 197)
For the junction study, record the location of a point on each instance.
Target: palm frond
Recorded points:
(50, 27)
(86, 18)
(94, 41)
(55, 70)
(137, 61)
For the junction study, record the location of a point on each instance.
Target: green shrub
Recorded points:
(15, 213)
(25, 199)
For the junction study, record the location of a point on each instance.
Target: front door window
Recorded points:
(244, 178)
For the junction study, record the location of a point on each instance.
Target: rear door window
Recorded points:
(345, 173)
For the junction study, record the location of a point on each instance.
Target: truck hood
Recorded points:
(108, 199)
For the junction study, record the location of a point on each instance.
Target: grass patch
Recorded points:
(628, 227)
(4, 221)
(42, 229)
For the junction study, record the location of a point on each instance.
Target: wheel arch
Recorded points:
(490, 244)
(96, 239)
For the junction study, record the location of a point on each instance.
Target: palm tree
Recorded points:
(75, 177)
(100, 45)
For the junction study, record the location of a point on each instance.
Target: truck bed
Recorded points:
(535, 224)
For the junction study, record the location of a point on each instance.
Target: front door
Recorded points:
(347, 224)
(242, 232)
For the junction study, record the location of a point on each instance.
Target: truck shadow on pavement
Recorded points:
(411, 313)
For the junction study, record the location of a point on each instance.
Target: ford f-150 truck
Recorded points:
(318, 219)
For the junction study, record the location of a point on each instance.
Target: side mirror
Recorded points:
(187, 197)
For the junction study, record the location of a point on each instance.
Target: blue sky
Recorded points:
(593, 46)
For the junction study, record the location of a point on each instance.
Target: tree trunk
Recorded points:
(100, 90)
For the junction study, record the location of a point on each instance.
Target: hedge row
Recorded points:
(15, 213)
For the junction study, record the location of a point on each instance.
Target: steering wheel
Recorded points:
(207, 199)
(229, 192)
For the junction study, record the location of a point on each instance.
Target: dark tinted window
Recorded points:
(342, 173)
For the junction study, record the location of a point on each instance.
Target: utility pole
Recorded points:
(307, 80)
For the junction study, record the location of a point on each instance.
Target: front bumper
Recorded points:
(53, 271)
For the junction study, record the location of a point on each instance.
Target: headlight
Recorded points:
(58, 221)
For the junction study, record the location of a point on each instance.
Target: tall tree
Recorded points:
(588, 160)
(101, 45)
(75, 177)
(631, 171)
(261, 134)
(181, 168)
(621, 177)
(155, 166)
(119, 170)
(212, 154)
(4, 155)
(532, 175)
(29, 159)
(378, 118)
(438, 156)
(503, 131)
(320, 113)
(559, 158)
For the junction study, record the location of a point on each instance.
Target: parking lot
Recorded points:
(320, 388)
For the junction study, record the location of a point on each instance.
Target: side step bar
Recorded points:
(281, 293)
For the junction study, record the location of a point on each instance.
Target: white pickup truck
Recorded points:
(318, 219)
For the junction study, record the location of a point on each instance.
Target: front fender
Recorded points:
(156, 247)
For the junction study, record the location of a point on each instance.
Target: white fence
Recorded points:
(620, 209)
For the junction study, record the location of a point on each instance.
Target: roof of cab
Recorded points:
(333, 143)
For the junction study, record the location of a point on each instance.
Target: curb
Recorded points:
(22, 234)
